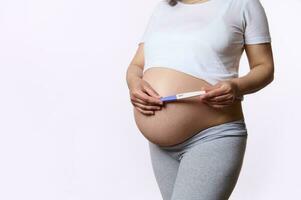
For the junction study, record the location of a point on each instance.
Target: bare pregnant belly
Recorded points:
(180, 120)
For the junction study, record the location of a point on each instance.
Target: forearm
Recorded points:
(134, 72)
(257, 78)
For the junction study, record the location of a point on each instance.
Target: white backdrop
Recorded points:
(67, 130)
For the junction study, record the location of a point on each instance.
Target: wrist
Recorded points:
(133, 81)
(239, 91)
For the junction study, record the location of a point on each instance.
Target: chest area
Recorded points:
(197, 30)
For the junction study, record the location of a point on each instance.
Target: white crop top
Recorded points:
(203, 39)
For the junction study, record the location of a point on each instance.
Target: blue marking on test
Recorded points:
(169, 98)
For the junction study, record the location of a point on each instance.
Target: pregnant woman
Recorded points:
(197, 144)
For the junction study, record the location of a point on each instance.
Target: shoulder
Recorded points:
(243, 3)
(245, 6)
(159, 7)
(161, 4)
(252, 4)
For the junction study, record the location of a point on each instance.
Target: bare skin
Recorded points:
(171, 123)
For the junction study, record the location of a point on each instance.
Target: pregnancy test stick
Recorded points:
(182, 96)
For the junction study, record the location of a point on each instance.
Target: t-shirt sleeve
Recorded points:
(149, 25)
(256, 27)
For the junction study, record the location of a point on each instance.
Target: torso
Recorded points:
(180, 120)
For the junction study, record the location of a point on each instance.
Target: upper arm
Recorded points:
(260, 54)
(257, 38)
(138, 58)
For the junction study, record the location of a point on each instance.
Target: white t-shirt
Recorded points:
(203, 39)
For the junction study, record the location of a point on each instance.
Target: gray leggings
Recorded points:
(206, 166)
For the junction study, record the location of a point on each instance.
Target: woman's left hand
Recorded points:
(221, 95)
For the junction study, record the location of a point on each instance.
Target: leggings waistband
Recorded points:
(227, 129)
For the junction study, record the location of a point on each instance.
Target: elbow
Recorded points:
(271, 76)
(271, 79)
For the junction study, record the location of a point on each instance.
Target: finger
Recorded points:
(135, 99)
(214, 92)
(147, 107)
(145, 112)
(211, 87)
(148, 99)
(206, 88)
(212, 103)
(221, 98)
(218, 106)
(152, 92)
(229, 102)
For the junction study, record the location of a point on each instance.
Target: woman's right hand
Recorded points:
(144, 97)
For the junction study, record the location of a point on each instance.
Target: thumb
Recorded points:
(152, 92)
(213, 87)
(217, 85)
(205, 88)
